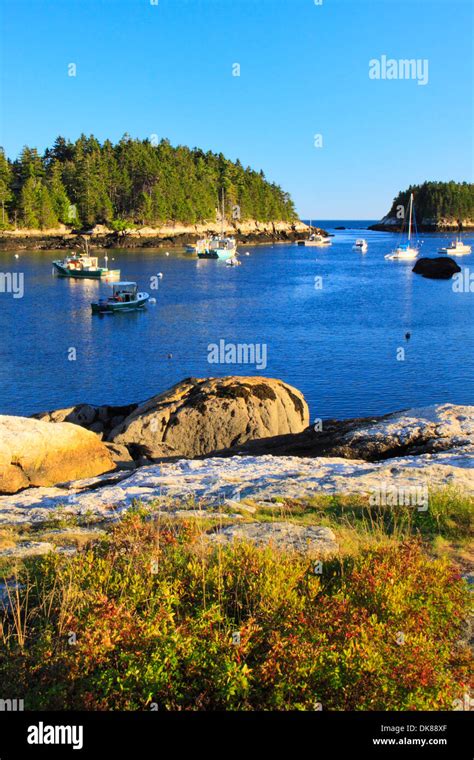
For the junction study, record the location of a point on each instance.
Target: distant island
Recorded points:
(439, 206)
(135, 182)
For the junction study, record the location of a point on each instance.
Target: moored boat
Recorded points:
(316, 240)
(405, 251)
(218, 246)
(361, 245)
(125, 297)
(456, 248)
(82, 266)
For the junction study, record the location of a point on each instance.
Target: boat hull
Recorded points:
(404, 254)
(455, 252)
(216, 254)
(315, 243)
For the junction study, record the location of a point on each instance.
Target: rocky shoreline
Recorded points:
(393, 224)
(250, 233)
(218, 448)
(440, 439)
(215, 437)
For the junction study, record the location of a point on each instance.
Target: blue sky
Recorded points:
(166, 70)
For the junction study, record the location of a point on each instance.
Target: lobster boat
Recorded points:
(80, 266)
(125, 297)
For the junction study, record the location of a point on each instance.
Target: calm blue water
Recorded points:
(337, 344)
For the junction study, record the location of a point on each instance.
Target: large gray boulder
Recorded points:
(198, 417)
(37, 453)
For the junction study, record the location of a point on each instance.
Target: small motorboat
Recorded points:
(361, 245)
(456, 248)
(315, 240)
(125, 297)
(190, 248)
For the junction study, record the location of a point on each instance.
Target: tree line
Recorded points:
(141, 182)
(438, 200)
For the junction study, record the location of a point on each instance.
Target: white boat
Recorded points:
(316, 240)
(456, 248)
(361, 245)
(218, 246)
(405, 252)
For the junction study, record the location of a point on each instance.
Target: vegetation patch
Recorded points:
(151, 614)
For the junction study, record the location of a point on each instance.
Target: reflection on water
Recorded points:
(338, 344)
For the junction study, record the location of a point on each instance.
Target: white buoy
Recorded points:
(152, 300)
(247, 253)
(166, 254)
(160, 275)
(17, 256)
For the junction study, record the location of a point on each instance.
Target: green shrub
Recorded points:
(155, 613)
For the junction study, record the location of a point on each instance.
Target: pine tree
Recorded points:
(29, 204)
(61, 204)
(47, 217)
(6, 194)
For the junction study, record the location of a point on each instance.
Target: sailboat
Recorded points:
(218, 246)
(405, 252)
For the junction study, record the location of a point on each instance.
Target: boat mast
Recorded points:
(409, 220)
(222, 214)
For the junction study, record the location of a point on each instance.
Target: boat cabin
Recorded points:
(83, 262)
(123, 292)
(222, 242)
